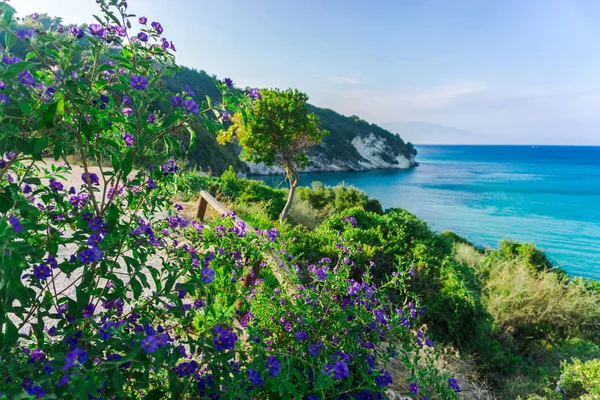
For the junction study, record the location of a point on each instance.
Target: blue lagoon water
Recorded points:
(549, 195)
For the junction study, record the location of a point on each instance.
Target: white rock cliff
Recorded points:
(371, 149)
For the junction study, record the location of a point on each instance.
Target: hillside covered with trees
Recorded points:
(336, 148)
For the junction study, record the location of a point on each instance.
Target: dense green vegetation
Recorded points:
(527, 329)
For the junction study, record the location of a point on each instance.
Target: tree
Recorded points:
(277, 128)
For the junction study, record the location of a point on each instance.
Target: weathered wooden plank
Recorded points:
(214, 203)
(201, 210)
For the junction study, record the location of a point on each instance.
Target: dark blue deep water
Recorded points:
(548, 195)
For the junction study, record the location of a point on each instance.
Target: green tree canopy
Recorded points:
(277, 129)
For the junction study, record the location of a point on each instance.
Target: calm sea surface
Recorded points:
(548, 195)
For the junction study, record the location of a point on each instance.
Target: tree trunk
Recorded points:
(293, 178)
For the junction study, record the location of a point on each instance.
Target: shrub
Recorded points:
(539, 305)
(531, 255)
(581, 380)
(397, 239)
(328, 200)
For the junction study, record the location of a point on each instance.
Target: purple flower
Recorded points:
(26, 78)
(142, 36)
(42, 272)
(301, 336)
(208, 275)
(255, 94)
(63, 381)
(321, 274)
(139, 82)
(224, 339)
(189, 91)
(313, 349)
(143, 20)
(340, 370)
(169, 168)
(34, 16)
(90, 178)
(225, 116)
(89, 256)
(114, 357)
(414, 388)
(176, 101)
(78, 33)
(126, 100)
(27, 189)
(354, 289)
(228, 81)
(94, 240)
(74, 357)
(384, 379)
(190, 106)
(36, 391)
(453, 384)
(10, 60)
(120, 30)
(352, 221)
(2, 85)
(56, 185)
(151, 184)
(25, 33)
(173, 47)
(157, 27)
(15, 223)
(255, 377)
(128, 139)
(4, 99)
(151, 118)
(96, 30)
(273, 365)
(150, 344)
(88, 311)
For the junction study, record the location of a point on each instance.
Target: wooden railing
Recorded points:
(205, 200)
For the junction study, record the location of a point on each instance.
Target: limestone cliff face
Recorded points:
(369, 152)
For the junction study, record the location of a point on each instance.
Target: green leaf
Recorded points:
(136, 287)
(39, 146)
(112, 16)
(290, 388)
(33, 181)
(8, 13)
(12, 334)
(192, 137)
(116, 162)
(119, 381)
(127, 164)
(6, 202)
(9, 40)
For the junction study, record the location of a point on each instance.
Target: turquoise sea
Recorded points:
(549, 195)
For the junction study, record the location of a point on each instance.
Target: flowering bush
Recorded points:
(107, 290)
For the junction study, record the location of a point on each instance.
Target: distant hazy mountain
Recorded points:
(427, 133)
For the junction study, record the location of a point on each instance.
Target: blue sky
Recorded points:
(510, 71)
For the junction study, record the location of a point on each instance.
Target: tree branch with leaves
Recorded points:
(276, 129)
